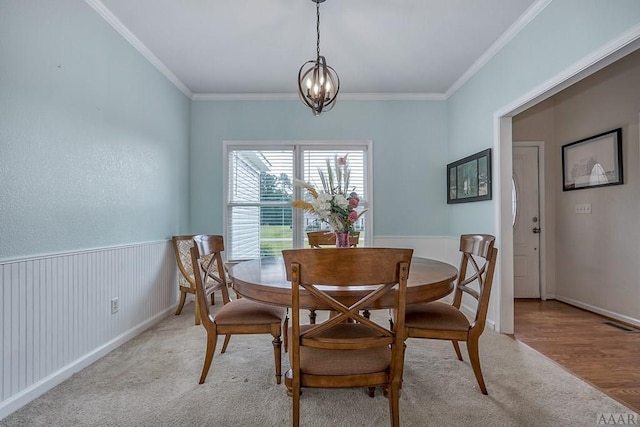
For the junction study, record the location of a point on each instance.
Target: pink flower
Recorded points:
(353, 202)
(342, 161)
(353, 216)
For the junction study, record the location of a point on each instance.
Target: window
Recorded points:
(259, 220)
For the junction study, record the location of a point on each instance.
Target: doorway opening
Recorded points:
(503, 145)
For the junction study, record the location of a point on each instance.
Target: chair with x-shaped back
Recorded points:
(186, 281)
(347, 350)
(318, 239)
(443, 321)
(240, 316)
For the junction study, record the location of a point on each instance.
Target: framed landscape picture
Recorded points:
(593, 162)
(469, 179)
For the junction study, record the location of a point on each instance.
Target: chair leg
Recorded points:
(212, 339)
(197, 315)
(312, 317)
(213, 298)
(472, 347)
(183, 298)
(277, 354)
(296, 405)
(285, 334)
(288, 382)
(456, 347)
(227, 337)
(394, 404)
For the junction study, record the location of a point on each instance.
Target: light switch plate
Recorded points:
(583, 208)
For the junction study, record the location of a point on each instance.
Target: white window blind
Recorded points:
(259, 217)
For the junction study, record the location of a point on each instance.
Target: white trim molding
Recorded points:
(502, 41)
(102, 10)
(599, 310)
(295, 97)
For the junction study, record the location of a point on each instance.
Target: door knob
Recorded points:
(536, 230)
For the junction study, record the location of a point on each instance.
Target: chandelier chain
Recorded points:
(318, 28)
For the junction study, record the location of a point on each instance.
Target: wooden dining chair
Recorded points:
(240, 316)
(319, 239)
(347, 350)
(186, 280)
(443, 321)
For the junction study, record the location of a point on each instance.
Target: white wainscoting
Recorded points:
(55, 312)
(446, 249)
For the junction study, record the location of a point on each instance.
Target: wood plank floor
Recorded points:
(604, 356)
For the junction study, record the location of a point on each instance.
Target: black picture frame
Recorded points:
(593, 162)
(469, 179)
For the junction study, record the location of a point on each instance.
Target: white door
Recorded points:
(526, 229)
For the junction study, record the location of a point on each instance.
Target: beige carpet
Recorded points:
(153, 381)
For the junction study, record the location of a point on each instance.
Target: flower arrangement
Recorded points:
(335, 204)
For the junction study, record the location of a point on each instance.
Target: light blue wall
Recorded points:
(409, 151)
(93, 139)
(95, 142)
(564, 33)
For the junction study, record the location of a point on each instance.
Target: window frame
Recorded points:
(298, 148)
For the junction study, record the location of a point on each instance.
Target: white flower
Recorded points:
(332, 205)
(324, 197)
(340, 201)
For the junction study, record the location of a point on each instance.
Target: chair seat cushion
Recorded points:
(436, 315)
(317, 361)
(244, 311)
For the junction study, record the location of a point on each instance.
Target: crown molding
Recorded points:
(595, 61)
(499, 44)
(295, 97)
(504, 39)
(394, 96)
(106, 14)
(244, 96)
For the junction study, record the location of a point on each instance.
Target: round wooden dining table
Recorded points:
(265, 280)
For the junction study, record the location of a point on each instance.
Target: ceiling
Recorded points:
(392, 48)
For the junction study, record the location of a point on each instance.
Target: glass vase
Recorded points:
(342, 240)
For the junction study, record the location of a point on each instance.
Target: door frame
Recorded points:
(542, 253)
(502, 144)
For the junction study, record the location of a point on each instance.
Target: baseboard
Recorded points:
(601, 311)
(38, 389)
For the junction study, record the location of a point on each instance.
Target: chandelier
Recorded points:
(318, 83)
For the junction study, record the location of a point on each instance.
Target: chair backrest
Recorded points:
(478, 251)
(377, 270)
(181, 248)
(206, 261)
(326, 238)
